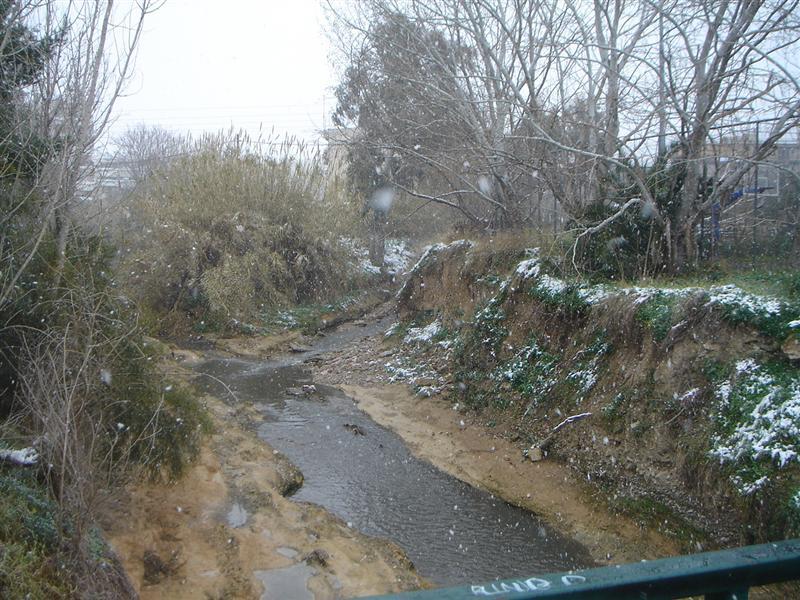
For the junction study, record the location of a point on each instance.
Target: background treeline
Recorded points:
(642, 132)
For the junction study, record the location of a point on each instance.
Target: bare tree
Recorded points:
(63, 66)
(143, 150)
(584, 95)
(69, 104)
(726, 64)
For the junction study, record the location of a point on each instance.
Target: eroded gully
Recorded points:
(365, 474)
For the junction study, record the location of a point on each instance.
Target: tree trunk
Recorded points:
(377, 238)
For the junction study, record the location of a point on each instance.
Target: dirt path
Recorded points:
(225, 530)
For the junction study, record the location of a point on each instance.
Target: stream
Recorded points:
(364, 474)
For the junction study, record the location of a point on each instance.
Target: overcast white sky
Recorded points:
(206, 65)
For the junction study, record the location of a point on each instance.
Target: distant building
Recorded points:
(761, 209)
(102, 193)
(336, 156)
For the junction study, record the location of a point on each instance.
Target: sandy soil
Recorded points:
(190, 539)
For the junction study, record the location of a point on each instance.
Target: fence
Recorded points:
(722, 575)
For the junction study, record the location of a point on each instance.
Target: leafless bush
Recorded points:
(64, 393)
(98, 411)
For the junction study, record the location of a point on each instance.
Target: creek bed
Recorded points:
(363, 473)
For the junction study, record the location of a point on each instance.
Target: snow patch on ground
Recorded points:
(770, 430)
(593, 294)
(585, 379)
(397, 256)
(416, 366)
(286, 319)
(551, 285)
(527, 268)
(422, 335)
(417, 374)
(732, 295)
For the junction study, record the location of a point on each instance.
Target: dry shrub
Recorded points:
(499, 251)
(240, 283)
(88, 391)
(227, 231)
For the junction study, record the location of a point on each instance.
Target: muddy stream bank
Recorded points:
(366, 475)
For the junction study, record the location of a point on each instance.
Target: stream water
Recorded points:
(364, 474)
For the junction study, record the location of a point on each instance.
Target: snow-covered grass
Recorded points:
(568, 296)
(773, 316)
(25, 456)
(416, 372)
(423, 346)
(397, 257)
(490, 331)
(770, 315)
(532, 371)
(758, 418)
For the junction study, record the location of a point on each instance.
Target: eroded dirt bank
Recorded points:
(226, 530)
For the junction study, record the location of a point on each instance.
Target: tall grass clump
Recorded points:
(227, 231)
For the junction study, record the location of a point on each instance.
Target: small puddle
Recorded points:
(237, 516)
(366, 475)
(289, 582)
(287, 552)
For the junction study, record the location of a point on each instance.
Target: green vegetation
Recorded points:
(761, 280)
(532, 372)
(559, 295)
(310, 318)
(614, 413)
(30, 536)
(37, 560)
(400, 329)
(770, 316)
(757, 438)
(656, 314)
(651, 513)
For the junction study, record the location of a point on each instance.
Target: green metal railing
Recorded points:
(723, 575)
